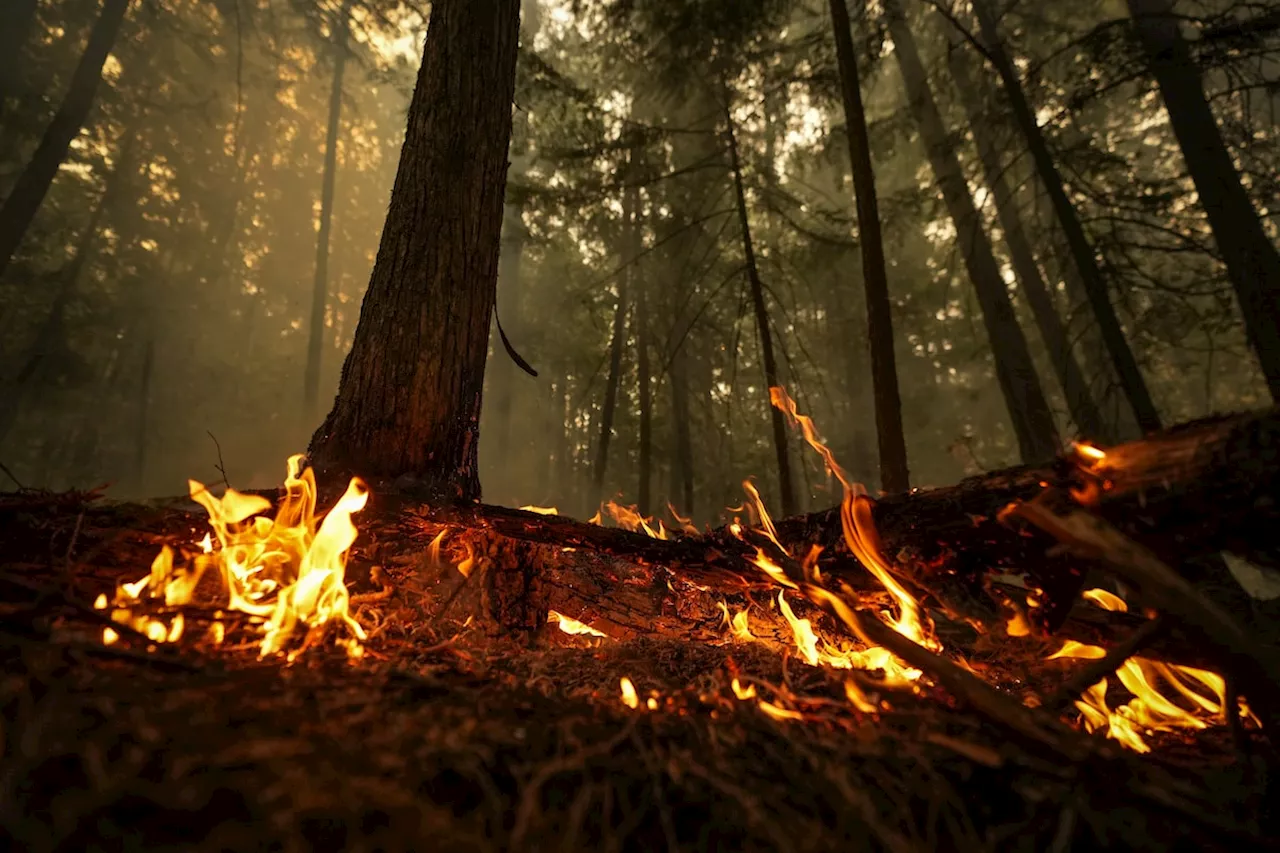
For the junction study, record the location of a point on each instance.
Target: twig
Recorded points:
(222, 468)
(9, 474)
(1096, 670)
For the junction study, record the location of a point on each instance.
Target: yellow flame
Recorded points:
(743, 693)
(468, 562)
(541, 510)
(629, 697)
(573, 626)
(433, 550)
(686, 524)
(1152, 709)
(1090, 453)
(289, 570)
(109, 636)
(779, 713)
(857, 698)
(1017, 626)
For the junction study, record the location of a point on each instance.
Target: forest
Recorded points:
(769, 424)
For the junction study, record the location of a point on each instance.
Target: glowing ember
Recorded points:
(288, 570)
(857, 698)
(629, 696)
(573, 626)
(743, 693)
(1017, 626)
(779, 713)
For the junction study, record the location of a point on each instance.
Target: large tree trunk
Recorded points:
(1253, 264)
(1084, 411)
(320, 286)
(29, 190)
(786, 494)
(1095, 287)
(1028, 410)
(682, 461)
(409, 399)
(884, 370)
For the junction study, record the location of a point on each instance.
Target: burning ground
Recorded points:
(388, 675)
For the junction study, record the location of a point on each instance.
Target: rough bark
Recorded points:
(1253, 264)
(786, 493)
(320, 285)
(19, 208)
(408, 402)
(682, 462)
(894, 476)
(1095, 287)
(1024, 398)
(1080, 403)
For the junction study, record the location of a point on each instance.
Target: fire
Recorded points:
(737, 624)
(1086, 451)
(573, 626)
(629, 696)
(685, 524)
(628, 518)
(287, 571)
(541, 510)
(1203, 693)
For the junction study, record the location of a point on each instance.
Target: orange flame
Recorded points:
(289, 570)
(573, 626)
(1150, 710)
(541, 510)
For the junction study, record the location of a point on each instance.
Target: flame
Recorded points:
(288, 570)
(743, 693)
(629, 696)
(468, 562)
(541, 510)
(433, 550)
(573, 626)
(1017, 626)
(766, 522)
(1092, 455)
(629, 518)
(857, 698)
(1150, 710)
(686, 524)
(1106, 600)
(737, 623)
(779, 713)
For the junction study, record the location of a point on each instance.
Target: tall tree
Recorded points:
(1086, 262)
(320, 286)
(1024, 398)
(894, 476)
(1253, 264)
(644, 378)
(1084, 410)
(616, 342)
(786, 491)
(409, 399)
(33, 183)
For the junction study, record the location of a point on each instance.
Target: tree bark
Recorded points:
(1028, 410)
(1084, 411)
(682, 468)
(894, 476)
(1253, 264)
(786, 494)
(320, 286)
(29, 190)
(408, 402)
(1095, 287)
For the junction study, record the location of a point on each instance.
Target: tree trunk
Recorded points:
(409, 399)
(785, 492)
(1028, 410)
(320, 287)
(29, 190)
(1130, 375)
(682, 468)
(1080, 402)
(1253, 264)
(894, 476)
(615, 377)
(644, 374)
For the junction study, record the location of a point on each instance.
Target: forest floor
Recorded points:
(446, 735)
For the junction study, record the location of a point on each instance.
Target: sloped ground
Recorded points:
(445, 738)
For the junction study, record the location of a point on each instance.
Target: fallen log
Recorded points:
(1190, 491)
